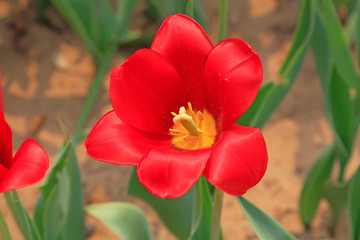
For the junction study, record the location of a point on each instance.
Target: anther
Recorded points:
(186, 137)
(175, 131)
(200, 116)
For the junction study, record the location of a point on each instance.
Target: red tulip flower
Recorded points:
(175, 106)
(29, 164)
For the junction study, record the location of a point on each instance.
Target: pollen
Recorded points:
(193, 129)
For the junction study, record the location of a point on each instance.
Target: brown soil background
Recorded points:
(46, 73)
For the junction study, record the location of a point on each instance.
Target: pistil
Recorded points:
(186, 121)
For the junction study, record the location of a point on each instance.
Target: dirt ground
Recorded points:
(47, 72)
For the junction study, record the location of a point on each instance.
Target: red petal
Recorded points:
(186, 45)
(29, 166)
(168, 173)
(115, 142)
(3, 172)
(6, 150)
(238, 161)
(145, 90)
(233, 76)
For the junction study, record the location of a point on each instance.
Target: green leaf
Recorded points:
(300, 43)
(203, 231)
(337, 196)
(354, 206)
(267, 100)
(59, 209)
(96, 22)
(342, 114)
(264, 226)
(164, 8)
(180, 215)
(321, 52)
(271, 94)
(338, 48)
(21, 216)
(314, 184)
(357, 28)
(4, 230)
(125, 220)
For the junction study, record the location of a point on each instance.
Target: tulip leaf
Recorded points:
(96, 22)
(337, 196)
(267, 100)
(342, 113)
(338, 48)
(125, 220)
(264, 226)
(300, 43)
(314, 184)
(354, 206)
(180, 215)
(164, 8)
(321, 52)
(4, 230)
(58, 213)
(203, 231)
(357, 28)
(21, 216)
(271, 94)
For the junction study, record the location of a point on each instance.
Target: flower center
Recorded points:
(193, 129)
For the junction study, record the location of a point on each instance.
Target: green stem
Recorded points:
(190, 8)
(222, 20)
(4, 230)
(216, 216)
(93, 92)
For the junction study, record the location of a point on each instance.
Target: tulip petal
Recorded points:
(183, 41)
(238, 160)
(3, 172)
(6, 148)
(29, 166)
(169, 173)
(233, 76)
(113, 141)
(145, 90)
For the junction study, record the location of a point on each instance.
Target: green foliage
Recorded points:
(180, 215)
(21, 216)
(163, 8)
(59, 213)
(264, 226)
(315, 181)
(95, 21)
(125, 220)
(271, 94)
(354, 206)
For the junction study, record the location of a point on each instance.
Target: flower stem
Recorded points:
(223, 20)
(215, 223)
(4, 230)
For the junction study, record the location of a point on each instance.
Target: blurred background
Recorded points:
(47, 71)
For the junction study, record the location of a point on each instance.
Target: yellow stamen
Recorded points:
(187, 122)
(193, 129)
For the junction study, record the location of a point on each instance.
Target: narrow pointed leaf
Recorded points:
(125, 220)
(354, 206)
(339, 50)
(314, 185)
(180, 215)
(264, 226)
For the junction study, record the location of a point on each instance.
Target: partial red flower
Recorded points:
(175, 106)
(29, 164)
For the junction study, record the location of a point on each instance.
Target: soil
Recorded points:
(46, 73)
